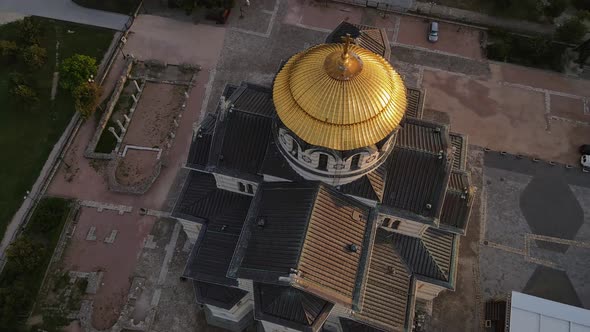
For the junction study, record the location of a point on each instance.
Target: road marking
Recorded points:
(526, 251)
(273, 16)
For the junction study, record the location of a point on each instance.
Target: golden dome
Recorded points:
(339, 96)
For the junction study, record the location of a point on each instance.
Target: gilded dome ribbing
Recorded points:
(340, 97)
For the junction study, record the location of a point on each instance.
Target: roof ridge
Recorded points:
(406, 255)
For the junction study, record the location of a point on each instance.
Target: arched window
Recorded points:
(355, 162)
(323, 163)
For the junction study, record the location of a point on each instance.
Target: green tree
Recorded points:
(581, 4)
(572, 31)
(34, 56)
(86, 98)
(8, 51)
(29, 31)
(25, 254)
(75, 70)
(24, 95)
(14, 304)
(555, 8)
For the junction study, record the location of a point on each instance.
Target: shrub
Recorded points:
(581, 4)
(14, 303)
(25, 254)
(8, 50)
(572, 31)
(29, 31)
(86, 98)
(24, 95)
(34, 56)
(555, 8)
(75, 70)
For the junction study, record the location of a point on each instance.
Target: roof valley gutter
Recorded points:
(365, 260)
(245, 235)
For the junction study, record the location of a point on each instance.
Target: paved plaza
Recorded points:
(536, 231)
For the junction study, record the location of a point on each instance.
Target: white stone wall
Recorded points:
(234, 314)
(427, 291)
(406, 227)
(270, 178)
(364, 200)
(246, 285)
(191, 228)
(229, 183)
(306, 162)
(272, 327)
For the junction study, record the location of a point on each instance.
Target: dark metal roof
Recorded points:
(458, 203)
(459, 143)
(418, 171)
(371, 38)
(349, 325)
(423, 135)
(416, 182)
(388, 287)
(254, 98)
(273, 250)
(342, 30)
(201, 145)
(234, 140)
(276, 165)
(212, 254)
(288, 306)
(199, 150)
(223, 214)
(433, 255)
(202, 200)
(415, 103)
(440, 245)
(362, 188)
(243, 137)
(217, 295)
(417, 256)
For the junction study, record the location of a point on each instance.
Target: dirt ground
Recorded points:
(136, 167)
(154, 38)
(453, 39)
(154, 116)
(117, 260)
(508, 118)
(463, 304)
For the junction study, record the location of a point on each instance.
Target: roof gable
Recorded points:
(289, 306)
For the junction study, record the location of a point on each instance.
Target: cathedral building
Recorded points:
(325, 201)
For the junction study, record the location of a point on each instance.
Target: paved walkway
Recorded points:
(65, 10)
(467, 16)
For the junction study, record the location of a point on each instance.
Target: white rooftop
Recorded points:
(534, 314)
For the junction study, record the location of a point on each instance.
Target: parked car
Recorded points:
(585, 159)
(433, 32)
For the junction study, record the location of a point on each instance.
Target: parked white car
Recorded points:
(585, 159)
(433, 32)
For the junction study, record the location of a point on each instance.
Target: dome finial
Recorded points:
(346, 39)
(343, 65)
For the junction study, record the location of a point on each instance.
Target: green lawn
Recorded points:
(118, 6)
(19, 286)
(516, 9)
(27, 136)
(536, 52)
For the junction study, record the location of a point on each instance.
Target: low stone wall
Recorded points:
(90, 153)
(137, 189)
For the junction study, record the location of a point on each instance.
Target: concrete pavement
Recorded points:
(65, 10)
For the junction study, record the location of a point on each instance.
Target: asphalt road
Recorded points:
(65, 10)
